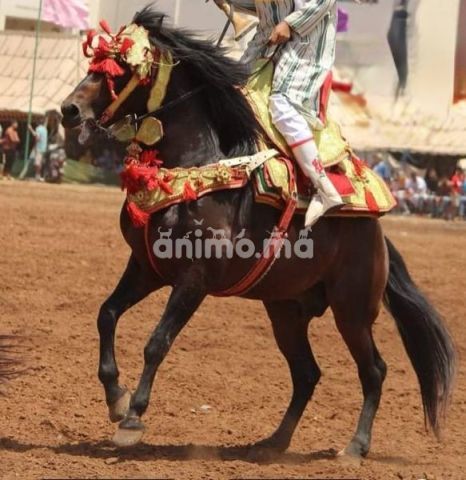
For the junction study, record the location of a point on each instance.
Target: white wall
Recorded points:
(192, 14)
(433, 73)
(18, 8)
(364, 49)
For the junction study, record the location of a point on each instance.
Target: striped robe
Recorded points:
(302, 64)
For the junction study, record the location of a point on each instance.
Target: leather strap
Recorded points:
(268, 257)
(251, 162)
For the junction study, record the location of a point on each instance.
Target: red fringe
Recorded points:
(370, 201)
(103, 49)
(88, 42)
(165, 186)
(108, 66)
(126, 45)
(149, 158)
(138, 217)
(358, 166)
(105, 27)
(342, 86)
(188, 192)
(90, 36)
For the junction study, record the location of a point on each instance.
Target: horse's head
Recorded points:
(122, 69)
(131, 75)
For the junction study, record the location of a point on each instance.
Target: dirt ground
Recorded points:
(61, 254)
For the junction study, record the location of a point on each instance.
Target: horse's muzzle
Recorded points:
(71, 115)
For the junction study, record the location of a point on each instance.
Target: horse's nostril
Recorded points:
(70, 110)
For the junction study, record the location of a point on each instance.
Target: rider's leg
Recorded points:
(293, 126)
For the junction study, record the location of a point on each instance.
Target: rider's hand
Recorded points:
(281, 34)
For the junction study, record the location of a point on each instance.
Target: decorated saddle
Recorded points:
(275, 177)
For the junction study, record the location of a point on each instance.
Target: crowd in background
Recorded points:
(439, 196)
(430, 194)
(46, 155)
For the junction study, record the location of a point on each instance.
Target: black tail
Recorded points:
(425, 337)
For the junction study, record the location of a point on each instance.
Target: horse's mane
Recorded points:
(228, 112)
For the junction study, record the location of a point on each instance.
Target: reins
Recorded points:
(186, 96)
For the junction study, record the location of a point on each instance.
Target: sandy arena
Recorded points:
(62, 253)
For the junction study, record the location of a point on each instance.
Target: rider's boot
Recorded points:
(327, 197)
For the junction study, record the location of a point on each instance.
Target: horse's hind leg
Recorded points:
(134, 286)
(355, 299)
(290, 321)
(372, 371)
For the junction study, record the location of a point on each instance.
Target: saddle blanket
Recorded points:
(150, 190)
(363, 192)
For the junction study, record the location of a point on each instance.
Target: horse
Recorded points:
(354, 270)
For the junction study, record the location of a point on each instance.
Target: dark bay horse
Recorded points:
(353, 272)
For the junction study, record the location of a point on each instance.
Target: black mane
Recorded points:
(228, 111)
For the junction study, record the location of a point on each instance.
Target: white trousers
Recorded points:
(289, 122)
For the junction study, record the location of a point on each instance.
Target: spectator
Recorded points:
(416, 188)
(398, 188)
(458, 188)
(444, 204)
(41, 136)
(457, 181)
(432, 180)
(383, 170)
(10, 143)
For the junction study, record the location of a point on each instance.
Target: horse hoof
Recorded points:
(263, 454)
(120, 408)
(349, 457)
(128, 437)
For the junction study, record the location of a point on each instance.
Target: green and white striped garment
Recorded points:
(303, 63)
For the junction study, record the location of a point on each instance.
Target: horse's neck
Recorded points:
(189, 140)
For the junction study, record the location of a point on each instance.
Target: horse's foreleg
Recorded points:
(134, 286)
(184, 301)
(290, 324)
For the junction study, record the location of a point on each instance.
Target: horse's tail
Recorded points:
(9, 362)
(425, 337)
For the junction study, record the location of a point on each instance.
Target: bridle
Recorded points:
(108, 128)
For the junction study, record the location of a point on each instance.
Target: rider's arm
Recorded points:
(305, 19)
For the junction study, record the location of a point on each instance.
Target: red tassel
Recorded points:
(103, 48)
(130, 179)
(105, 27)
(90, 36)
(149, 158)
(166, 187)
(126, 45)
(108, 66)
(188, 192)
(358, 166)
(370, 201)
(152, 183)
(85, 47)
(138, 217)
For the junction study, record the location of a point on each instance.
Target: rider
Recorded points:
(305, 33)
